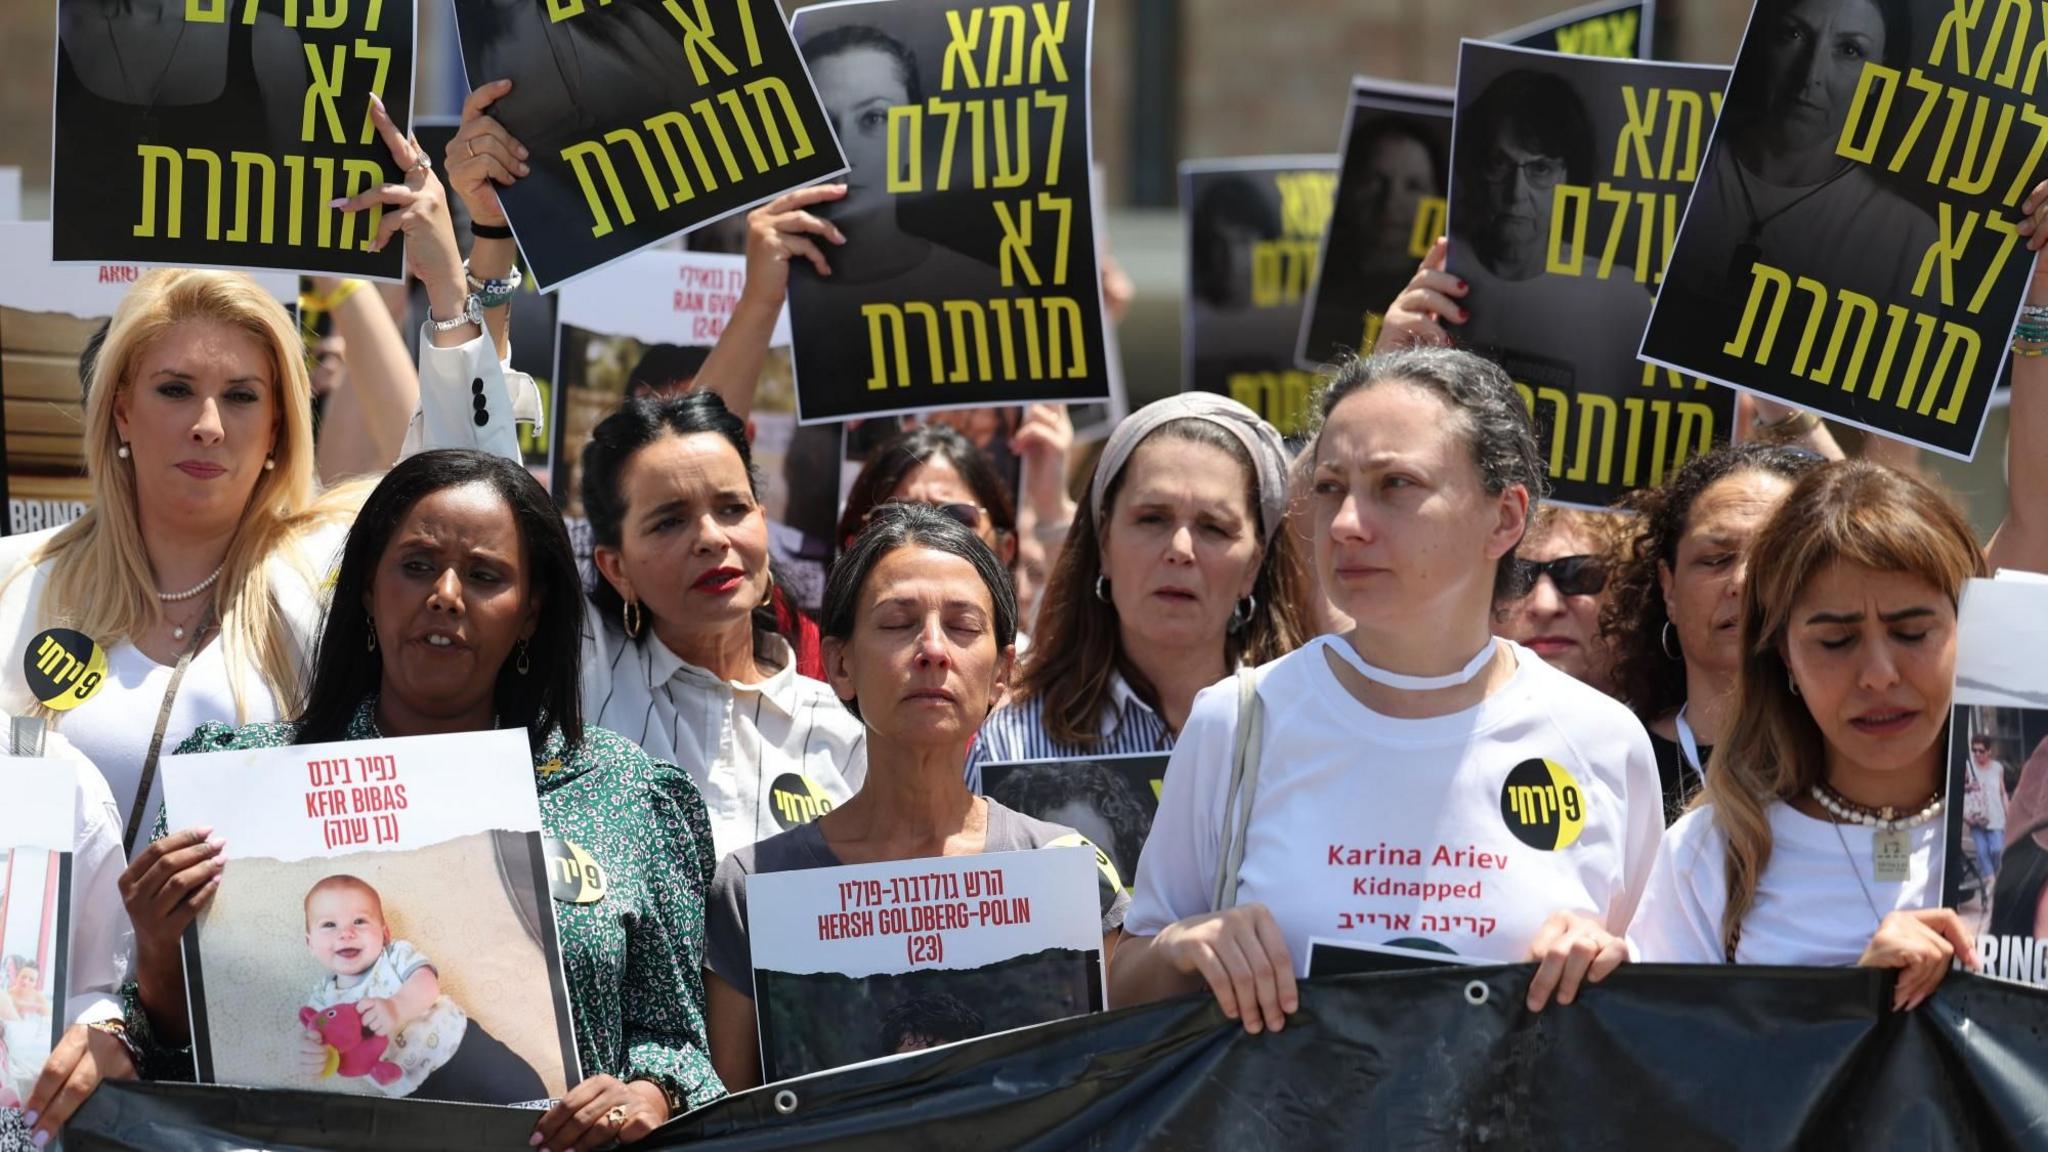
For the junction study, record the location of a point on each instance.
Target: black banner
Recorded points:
(1750, 1058)
(642, 120)
(1254, 228)
(1852, 243)
(1389, 210)
(969, 276)
(1617, 31)
(216, 133)
(1570, 174)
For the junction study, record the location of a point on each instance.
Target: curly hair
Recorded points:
(1040, 789)
(1647, 678)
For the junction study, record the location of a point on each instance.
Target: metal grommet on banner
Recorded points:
(785, 1102)
(1476, 993)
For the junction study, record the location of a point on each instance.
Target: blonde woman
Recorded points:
(190, 591)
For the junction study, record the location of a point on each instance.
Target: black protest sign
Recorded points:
(1617, 31)
(1389, 210)
(969, 274)
(1569, 177)
(641, 121)
(1254, 231)
(1852, 245)
(216, 133)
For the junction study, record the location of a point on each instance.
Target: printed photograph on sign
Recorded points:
(213, 134)
(1851, 245)
(908, 955)
(1569, 175)
(36, 837)
(1109, 799)
(1997, 803)
(642, 121)
(383, 926)
(50, 316)
(643, 327)
(1254, 231)
(1617, 31)
(1389, 210)
(970, 275)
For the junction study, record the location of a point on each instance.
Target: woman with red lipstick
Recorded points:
(684, 651)
(1176, 571)
(192, 585)
(1819, 838)
(920, 630)
(1417, 781)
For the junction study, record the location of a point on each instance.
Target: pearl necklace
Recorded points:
(196, 589)
(1885, 819)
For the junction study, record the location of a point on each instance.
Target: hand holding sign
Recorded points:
(780, 231)
(483, 156)
(1417, 317)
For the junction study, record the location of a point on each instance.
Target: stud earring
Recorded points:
(270, 463)
(122, 451)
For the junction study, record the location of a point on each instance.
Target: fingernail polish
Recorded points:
(337, 202)
(1462, 286)
(30, 1118)
(40, 1139)
(533, 1141)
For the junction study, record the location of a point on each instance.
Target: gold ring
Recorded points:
(617, 1116)
(471, 145)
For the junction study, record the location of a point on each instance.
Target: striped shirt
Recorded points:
(766, 757)
(1016, 731)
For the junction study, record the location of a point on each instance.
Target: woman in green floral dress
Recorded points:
(456, 609)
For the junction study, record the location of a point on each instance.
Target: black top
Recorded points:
(1679, 780)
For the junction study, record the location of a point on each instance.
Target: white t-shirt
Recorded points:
(1462, 832)
(1810, 908)
(766, 757)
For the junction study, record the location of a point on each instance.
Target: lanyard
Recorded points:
(1689, 748)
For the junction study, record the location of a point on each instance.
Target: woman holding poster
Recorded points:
(458, 609)
(1419, 783)
(920, 629)
(191, 589)
(1175, 571)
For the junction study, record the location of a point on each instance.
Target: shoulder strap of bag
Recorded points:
(156, 739)
(25, 735)
(1244, 787)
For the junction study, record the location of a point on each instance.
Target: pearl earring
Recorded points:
(269, 463)
(122, 451)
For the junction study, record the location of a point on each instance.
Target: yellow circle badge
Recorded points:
(573, 877)
(1543, 805)
(797, 800)
(64, 668)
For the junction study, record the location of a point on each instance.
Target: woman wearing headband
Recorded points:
(1414, 782)
(1175, 572)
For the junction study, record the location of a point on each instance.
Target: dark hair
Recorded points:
(1078, 648)
(1646, 677)
(665, 368)
(913, 526)
(1043, 788)
(1229, 199)
(1542, 110)
(849, 37)
(935, 1017)
(1748, 101)
(1493, 417)
(638, 422)
(906, 452)
(89, 356)
(346, 670)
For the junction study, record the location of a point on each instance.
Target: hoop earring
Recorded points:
(630, 619)
(1793, 683)
(370, 642)
(1102, 588)
(1241, 613)
(768, 597)
(523, 667)
(1664, 641)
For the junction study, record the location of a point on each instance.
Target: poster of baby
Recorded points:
(382, 925)
(36, 832)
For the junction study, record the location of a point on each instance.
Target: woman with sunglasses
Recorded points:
(935, 465)
(1175, 571)
(1564, 564)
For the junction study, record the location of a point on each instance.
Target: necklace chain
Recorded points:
(1856, 872)
(196, 589)
(128, 84)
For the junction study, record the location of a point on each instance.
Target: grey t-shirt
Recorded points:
(725, 910)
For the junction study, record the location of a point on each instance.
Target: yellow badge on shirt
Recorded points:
(573, 877)
(1543, 805)
(1103, 863)
(797, 800)
(64, 668)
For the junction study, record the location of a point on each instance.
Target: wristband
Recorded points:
(496, 291)
(1788, 429)
(489, 231)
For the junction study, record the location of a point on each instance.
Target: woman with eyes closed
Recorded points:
(920, 623)
(1176, 570)
(1417, 781)
(684, 650)
(194, 577)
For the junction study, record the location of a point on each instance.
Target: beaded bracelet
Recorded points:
(496, 291)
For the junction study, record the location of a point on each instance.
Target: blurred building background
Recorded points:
(1174, 80)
